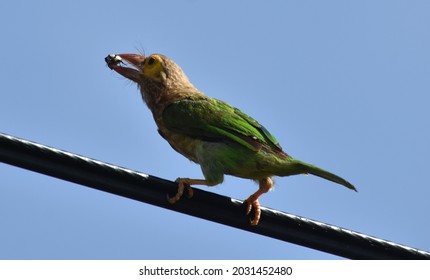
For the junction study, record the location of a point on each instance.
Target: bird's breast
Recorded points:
(181, 143)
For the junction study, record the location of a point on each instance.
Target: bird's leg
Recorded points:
(186, 183)
(264, 186)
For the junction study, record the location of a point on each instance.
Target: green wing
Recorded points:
(214, 120)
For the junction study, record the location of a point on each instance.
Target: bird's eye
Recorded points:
(151, 60)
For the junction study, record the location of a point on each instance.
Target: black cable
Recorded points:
(205, 205)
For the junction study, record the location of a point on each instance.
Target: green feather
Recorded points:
(216, 121)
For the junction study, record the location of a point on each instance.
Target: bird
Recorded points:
(219, 137)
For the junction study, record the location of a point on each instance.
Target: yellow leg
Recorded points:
(264, 186)
(186, 183)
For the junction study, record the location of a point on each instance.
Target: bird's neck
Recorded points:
(159, 97)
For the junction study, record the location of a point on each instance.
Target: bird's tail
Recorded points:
(306, 168)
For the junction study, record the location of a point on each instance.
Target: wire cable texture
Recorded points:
(205, 205)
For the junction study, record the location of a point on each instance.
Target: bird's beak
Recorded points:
(115, 61)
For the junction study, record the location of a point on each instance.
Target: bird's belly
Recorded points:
(218, 158)
(183, 144)
(235, 159)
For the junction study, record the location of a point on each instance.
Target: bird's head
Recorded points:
(156, 75)
(155, 67)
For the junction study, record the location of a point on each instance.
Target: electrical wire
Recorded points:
(206, 205)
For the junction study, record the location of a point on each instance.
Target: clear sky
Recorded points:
(341, 84)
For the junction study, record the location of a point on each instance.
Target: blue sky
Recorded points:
(341, 84)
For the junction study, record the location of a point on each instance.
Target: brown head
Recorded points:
(160, 79)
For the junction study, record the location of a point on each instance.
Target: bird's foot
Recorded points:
(182, 184)
(265, 185)
(253, 202)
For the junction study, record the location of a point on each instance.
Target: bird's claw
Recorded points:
(182, 184)
(257, 210)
